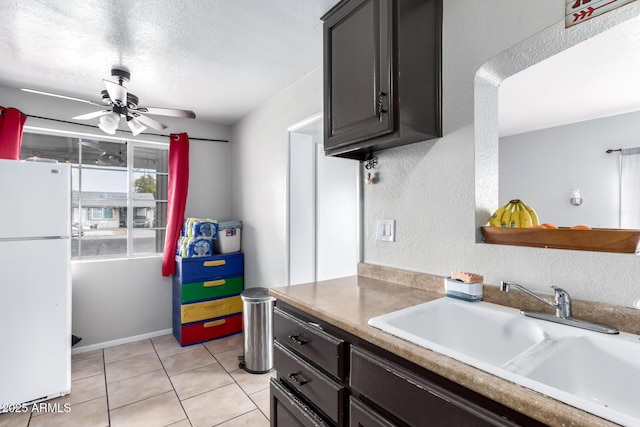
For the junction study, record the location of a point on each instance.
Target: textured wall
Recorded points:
(439, 192)
(258, 171)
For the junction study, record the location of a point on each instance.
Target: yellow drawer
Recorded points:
(210, 309)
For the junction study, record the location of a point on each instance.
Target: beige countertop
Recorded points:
(350, 302)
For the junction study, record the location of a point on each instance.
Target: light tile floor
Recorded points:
(158, 383)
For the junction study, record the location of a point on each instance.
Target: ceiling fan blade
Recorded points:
(148, 121)
(93, 115)
(117, 93)
(187, 114)
(39, 92)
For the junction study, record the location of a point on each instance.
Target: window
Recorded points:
(101, 213)
(119, 193)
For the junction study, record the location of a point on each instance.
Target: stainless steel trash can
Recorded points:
(257, 321)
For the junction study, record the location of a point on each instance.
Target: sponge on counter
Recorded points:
(467, 277)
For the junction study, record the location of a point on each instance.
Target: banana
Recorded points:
(515, 216)
(494, 221)
(505, 219)
(525, 216)
(534, 216)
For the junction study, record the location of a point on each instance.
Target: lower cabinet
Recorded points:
(288, 410)
(374, 388)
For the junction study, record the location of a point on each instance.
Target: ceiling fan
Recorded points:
(118, 103)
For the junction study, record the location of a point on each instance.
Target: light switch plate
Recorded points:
(386, 230)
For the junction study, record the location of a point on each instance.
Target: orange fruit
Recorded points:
(581, 227)
(537, 226)
(550, 226)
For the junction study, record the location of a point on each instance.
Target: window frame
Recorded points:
(131, 144)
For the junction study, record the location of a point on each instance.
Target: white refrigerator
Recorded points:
(35, 281)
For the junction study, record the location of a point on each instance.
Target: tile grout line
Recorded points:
(106, 389)
(172, 386)
(240, 387)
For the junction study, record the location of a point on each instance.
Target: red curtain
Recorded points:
(176, 198)
(11, 123)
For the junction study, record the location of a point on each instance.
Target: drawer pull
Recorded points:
(214, 323)
(214, 283)
(297, 379)
(216, 263)
(296, 339)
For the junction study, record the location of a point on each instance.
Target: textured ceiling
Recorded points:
(219, 58)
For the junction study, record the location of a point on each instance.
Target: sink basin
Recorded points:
(601, 371)
(595, 372)
(481, 331)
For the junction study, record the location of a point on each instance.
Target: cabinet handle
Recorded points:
(215, 263)
(214, 283)
(296, 339)
(381, 109)
(214, 323)
(298, 379)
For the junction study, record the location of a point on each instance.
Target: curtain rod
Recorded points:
(119, 130)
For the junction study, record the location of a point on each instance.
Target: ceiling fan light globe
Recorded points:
(107, 129)
(136, 127)
(110, 120)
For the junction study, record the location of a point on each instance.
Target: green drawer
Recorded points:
(211, 289)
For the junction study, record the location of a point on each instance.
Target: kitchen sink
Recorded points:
(481, 331)
(595, 372)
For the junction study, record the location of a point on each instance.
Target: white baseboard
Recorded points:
(127, 340)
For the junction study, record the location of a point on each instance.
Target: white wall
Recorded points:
(542, 167)
(259, 164)
(302, 208)
(117, 299)
(337, 213)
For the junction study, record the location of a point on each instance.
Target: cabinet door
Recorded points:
(358, 55)
(361, 415)
(287, 410)
(414, 400)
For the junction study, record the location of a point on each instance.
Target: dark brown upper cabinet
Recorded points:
(382, 75)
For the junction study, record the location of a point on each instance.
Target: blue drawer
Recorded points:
(208, 268)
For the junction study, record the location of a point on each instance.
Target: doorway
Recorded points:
(324, 200)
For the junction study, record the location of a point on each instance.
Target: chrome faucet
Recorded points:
(562, 306)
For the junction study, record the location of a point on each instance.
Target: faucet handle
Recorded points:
(563, 303)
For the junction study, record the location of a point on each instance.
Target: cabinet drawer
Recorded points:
(209, 289)
(325, 393)
(414, 400)
(210, 309)
(311, 342)
(207, 330)
(361, 415)
(190, 270)
(287, 410)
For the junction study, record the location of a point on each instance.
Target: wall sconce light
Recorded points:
(576, 198)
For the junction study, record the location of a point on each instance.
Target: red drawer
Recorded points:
(210, 329)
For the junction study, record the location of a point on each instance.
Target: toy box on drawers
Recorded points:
(229, 237)
(206, 297)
